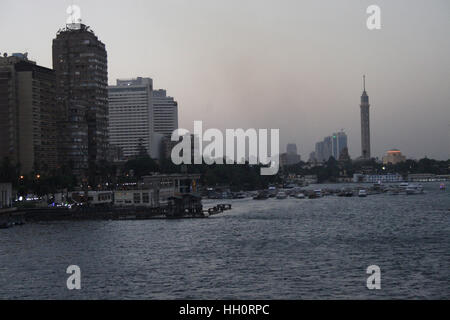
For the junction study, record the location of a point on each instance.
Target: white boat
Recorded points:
(362, 193)
(318, 193)
(299, 196)
(281, 195)
(414, 189)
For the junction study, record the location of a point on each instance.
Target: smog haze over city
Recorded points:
(292, 65)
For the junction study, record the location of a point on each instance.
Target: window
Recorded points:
(137, 198)
(145, 197)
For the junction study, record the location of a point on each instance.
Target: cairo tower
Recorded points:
(365, 123)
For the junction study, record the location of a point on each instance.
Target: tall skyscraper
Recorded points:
(331, 146)
(327, 148)
(28, 115)
(80, 63)
(165, 111)
(319, 152)
(339, 140)
(365, 123)
(131, 115)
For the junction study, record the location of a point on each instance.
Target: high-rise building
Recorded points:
(80, 63)
(319, 152)
(339, 141)
(291, 148)
(365, 123)
(28, 112)
(331, 146)
(131, 115)
(327, 148)
(292, 157)
(165, 112)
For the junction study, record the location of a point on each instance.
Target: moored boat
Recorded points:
(281, 195)
(414, 189)
(261, 196)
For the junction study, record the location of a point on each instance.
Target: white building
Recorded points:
(131, 115)
(165, 110)
(375, 178)
(393, 156)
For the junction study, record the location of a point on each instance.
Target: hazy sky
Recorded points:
(288, 64)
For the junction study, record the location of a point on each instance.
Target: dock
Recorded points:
(19, 217)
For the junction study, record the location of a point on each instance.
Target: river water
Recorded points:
(272, 249)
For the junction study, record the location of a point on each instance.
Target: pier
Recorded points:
(180, 208)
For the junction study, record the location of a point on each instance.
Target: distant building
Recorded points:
(331, 146)
(327, 148)
(28, 112)
(365, 124)
(115, 154)
(375, 178)
(157, 150)
(319, 151)
(130, 124)
(339, 142)
(167, 145)
(312, 157)
(291, 148)
(80, 63)
(291, 157)
(393, 156)
(428, 177)
(165, 111)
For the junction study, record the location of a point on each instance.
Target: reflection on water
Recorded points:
(272, 249)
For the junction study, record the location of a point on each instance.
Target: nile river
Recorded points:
(272, 249)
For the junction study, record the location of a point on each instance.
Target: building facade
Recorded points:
(292, 157)
(393, 156)
(318, 153)
(131, 116)
(339, 141)
(80, 63)
(331, 146)
(165, 111)
(365, 124)
(376, 178)
(327, 148)
(28, 110)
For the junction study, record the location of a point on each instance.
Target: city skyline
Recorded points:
(236, 82)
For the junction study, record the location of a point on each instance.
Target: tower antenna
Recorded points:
(364, 82)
